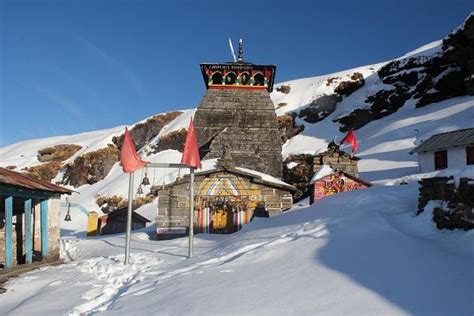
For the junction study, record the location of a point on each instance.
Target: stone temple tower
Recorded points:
(236, 117)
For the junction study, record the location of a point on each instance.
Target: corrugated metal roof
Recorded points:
(445, 140)
(17, 179)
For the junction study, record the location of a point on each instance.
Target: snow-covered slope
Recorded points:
(361, 252)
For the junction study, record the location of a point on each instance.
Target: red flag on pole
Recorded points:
(350, 138)
(129, 159)
(191, 151)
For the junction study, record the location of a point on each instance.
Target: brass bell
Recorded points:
(67, 218)
(140, 190)
(145, 180)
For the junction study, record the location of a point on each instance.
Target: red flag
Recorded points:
(191, 151)
(129, 159)
(351, 139)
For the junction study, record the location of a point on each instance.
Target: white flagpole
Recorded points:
(191, 211)
(129, 218)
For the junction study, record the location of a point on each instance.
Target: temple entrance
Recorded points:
(220, 221)
(224, 203)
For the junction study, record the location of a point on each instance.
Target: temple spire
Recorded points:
(241, 51)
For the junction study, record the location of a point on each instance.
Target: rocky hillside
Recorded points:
(389, 104)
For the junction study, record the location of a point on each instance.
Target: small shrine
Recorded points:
(327, 182)
(337, 159)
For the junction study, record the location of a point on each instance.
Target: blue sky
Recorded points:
(74, 66)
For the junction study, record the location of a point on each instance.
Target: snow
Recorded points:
(323, 172)
(360, 252)
(457, 173)
(263, 176)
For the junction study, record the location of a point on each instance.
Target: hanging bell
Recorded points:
(68, 218)
(145, 180)
(140, 190)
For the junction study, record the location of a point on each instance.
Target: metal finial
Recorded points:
(241, 51)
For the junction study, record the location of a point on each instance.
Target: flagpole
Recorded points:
(129, 218)
(191, 211)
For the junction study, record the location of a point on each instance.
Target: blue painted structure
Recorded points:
(18, 195)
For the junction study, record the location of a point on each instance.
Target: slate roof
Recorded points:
(17, 179)
(445, 140)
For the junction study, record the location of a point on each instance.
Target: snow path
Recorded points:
(360, 252)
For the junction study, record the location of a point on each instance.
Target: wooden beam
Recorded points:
(27, 193)
(8, 231)
(44, 228)
(28, 235)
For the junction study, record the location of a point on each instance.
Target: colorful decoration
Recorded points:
(224, 204)
(336, 182)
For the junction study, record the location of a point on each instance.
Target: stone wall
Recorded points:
(457, 210)
(337, 160)
(245, 122)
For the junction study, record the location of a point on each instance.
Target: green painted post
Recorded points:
(28, 235)
(8, 231)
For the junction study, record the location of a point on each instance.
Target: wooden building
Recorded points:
(225, 199)
(29, 219)
(328, 182)
(453, 149)
(116, 222)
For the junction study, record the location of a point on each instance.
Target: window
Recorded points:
(216, 78)
(441, 159)
(230, 78)
(470, 155)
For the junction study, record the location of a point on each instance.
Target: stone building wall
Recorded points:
(457, 210)
(245, 122)
(337, 160)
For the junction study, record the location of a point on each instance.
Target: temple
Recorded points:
(235, 123)
(237, 116)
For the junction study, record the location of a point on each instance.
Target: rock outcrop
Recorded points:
(57, 153)
(44, 172)
(320, 108)
(288, 126)
(447, 74)
(91, 167)
(174, 140)
(142, 133)
(298, 171)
